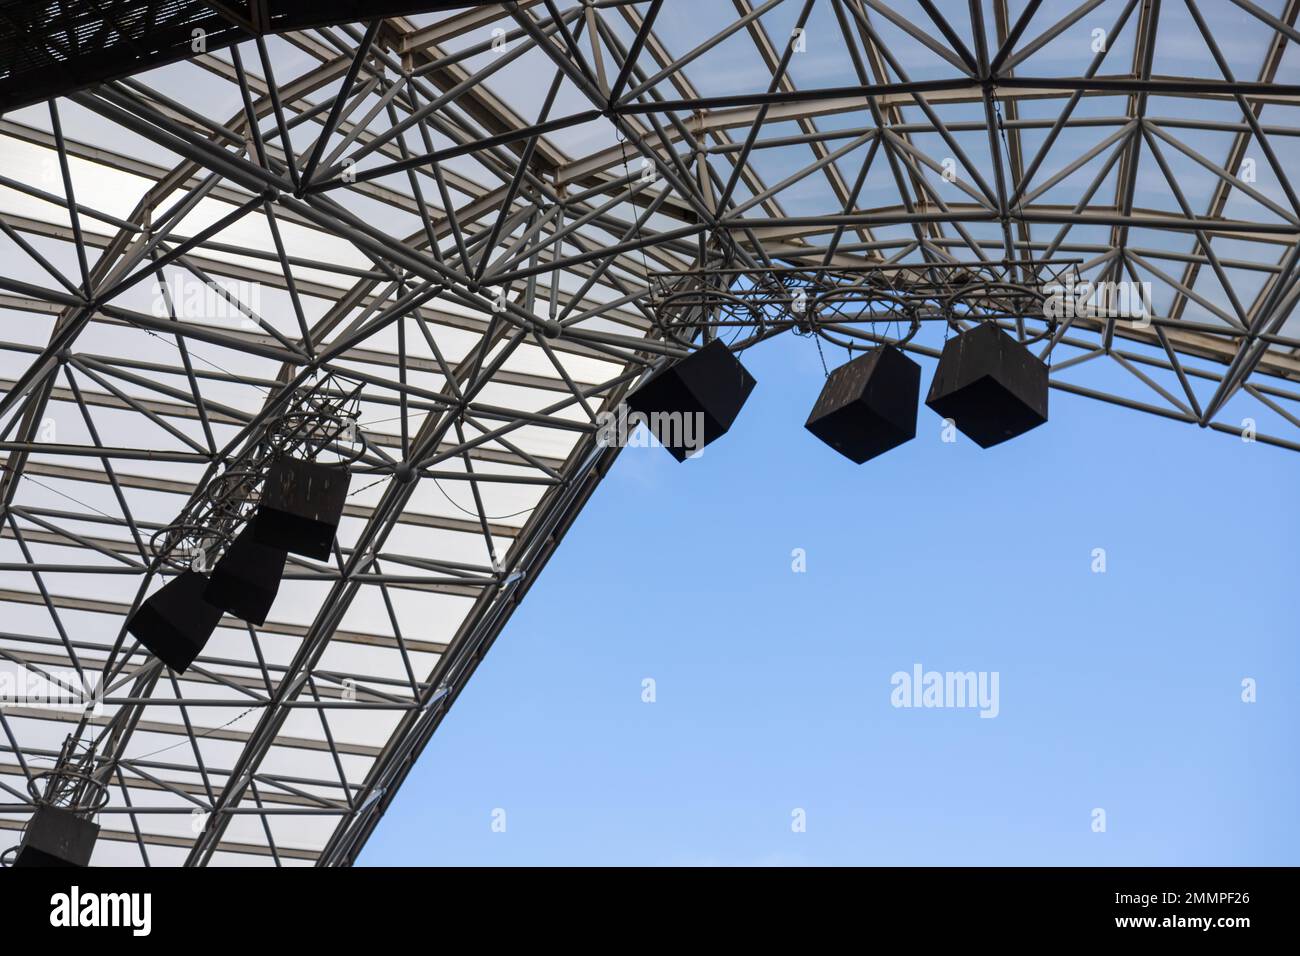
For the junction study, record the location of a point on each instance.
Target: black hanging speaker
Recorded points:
(302, 502)
(868, 406)
(990, 385)
(246, 578)
(695, 400)
(55, 836)
(177, 621)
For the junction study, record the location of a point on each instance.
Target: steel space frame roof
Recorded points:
(467, 208)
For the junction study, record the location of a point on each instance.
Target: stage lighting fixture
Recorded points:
(55, 836)
(177, 621)
(990, 385)
(694, 401)
(868, 405)
(302, 502)
(246, 578)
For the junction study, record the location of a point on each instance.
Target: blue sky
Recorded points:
(1119, 691)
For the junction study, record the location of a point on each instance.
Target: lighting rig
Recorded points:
(273, 499)
(988, 382)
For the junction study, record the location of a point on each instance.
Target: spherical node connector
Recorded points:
(552, 329)
(405, 473)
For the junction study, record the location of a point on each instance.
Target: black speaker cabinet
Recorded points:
(697, 397)
(868, 406)
(177, 621)
(55, 836)
(990, 385)
(247, 578)
(302, 502)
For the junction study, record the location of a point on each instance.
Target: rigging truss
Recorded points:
(476, 226)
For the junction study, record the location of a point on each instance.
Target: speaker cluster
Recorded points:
(987, 383)
(299, 512)
(56, 837)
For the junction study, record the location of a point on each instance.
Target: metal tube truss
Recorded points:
(491, 220)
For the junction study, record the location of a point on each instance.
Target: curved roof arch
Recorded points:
(477, 213)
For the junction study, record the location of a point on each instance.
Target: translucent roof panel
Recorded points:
(478, 229)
